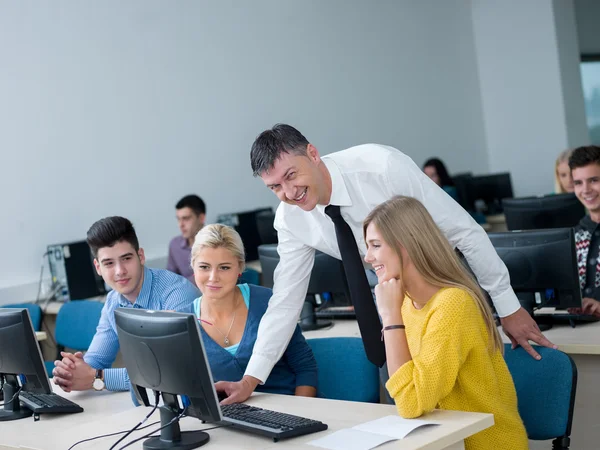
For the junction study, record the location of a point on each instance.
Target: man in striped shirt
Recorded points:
(119, 259)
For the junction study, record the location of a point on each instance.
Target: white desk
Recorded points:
(111, 412)
(581, 343)
(52, 430)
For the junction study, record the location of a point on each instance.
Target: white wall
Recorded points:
(123, 107)
(530, 87)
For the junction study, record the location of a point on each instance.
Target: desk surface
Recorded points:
(584, 339)
(107, 412)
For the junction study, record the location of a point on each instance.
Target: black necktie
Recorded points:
(360, 291)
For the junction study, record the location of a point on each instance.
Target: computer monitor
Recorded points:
(542, 265)
(327, 278)
(245, 223)
(73, 272)
(485, 193)
(163, 351)
(550, 211)
(21, 362)
(266, 230)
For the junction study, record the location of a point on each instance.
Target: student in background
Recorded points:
(435, 169)
(442, 345)
(563, 181)
(191, 213)
(584, 163)
(229, 315)
(119, 259)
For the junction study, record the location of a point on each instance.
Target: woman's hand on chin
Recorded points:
(390, 296)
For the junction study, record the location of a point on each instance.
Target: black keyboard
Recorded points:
(336, 312)
(48, 403)
(569, 319)
(268, 423)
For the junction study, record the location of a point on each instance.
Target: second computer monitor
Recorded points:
(543, 264)
(327, 274)
(485, 193)
(21, 361)
(550, 211)
(246, 224)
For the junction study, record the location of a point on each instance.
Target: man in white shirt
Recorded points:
(356, 179)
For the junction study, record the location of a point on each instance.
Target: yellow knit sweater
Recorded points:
(452, 368)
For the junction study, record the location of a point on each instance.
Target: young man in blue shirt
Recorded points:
(119, 259)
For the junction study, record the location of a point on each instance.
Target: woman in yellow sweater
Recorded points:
(442, 346)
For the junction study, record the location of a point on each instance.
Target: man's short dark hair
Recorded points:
(583, 156)
(271, 144)
(193, 202)
(109, 231)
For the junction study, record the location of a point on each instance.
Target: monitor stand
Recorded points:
(171, 436)
(308, 318)
(12, 408)
(527, 300)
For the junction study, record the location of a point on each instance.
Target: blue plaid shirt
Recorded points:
(161, 290)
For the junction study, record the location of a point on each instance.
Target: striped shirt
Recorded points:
(161, 290)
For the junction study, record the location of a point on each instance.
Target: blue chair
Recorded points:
(75, 327)
(545, 392)
(35, 312)
(250, 276)
(344, 371)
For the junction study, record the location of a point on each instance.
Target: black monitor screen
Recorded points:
(246, 224)
(19, 351)
(542, 261)
(551, 211)
(489, 189)
(163, 351)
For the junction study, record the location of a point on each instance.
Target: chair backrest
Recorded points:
(76, 323)
(35, 312)
(250, 276)
(545, 391)
(344, 372)
(327, 274)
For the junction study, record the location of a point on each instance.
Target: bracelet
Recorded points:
(391, 327)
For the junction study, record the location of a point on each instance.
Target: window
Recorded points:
(590, 77)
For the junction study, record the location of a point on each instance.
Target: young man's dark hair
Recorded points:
(582, 156)
(193, 202)
(270, 144)
(110, 230)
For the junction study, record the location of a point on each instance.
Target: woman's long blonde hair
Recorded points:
(404, 222)
(562, 157)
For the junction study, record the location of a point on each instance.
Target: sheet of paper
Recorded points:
(349, 439)
(393, 426)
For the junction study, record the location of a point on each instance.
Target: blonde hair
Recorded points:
(562, 157)
(219, 236)
(404, 222)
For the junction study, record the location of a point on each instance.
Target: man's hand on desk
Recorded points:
(521, 328)
(588, 306)
(237, 391)
(72, 373)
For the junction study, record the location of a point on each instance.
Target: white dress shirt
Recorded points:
(362, 178)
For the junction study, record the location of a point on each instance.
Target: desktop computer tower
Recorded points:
(73, 273)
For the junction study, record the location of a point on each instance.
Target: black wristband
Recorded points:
(391, 327)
